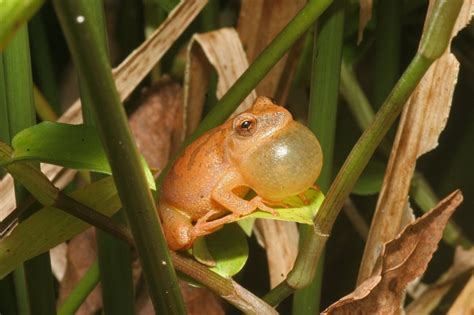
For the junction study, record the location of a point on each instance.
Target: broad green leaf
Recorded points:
(246, 225)
(49, 226)
(370, 182)
(227, 248)
(201, 252)
(71, 146)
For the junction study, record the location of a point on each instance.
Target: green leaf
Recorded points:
(297, 211)
(71, 146)
(227, 248)
(201, 252)
(246, 225)
(49, 226)
(370, 182)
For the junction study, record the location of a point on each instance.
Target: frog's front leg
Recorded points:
(224, 194)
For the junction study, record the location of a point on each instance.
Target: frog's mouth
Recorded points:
(286, 164)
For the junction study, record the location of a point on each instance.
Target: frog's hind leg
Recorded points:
(177, 227)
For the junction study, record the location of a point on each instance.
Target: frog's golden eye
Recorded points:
(245, 125)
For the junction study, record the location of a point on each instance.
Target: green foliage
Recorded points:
(36, 234)
(71, 146)
(370, 181)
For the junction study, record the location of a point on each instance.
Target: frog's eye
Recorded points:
(245, 125)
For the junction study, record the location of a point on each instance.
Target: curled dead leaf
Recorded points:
(222, 50)
(259, 22)
(403, 259)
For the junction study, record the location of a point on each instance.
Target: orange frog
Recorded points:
(262, 149)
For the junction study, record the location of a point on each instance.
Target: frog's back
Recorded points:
(189, 184)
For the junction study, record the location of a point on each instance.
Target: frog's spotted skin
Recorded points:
(262, 149)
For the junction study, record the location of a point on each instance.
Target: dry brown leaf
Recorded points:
(80, 256)
(365, 14)
(280, 240)
(423, 119)
(127, 76)
(157, 125)
(223, 50)
(58, 256)
(432, 295)
(259, 22)
(197, 300)
(464, 303)
(403, 259)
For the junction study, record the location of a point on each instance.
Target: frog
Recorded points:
(263, 150)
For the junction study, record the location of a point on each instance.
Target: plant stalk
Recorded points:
(129, 176)
(21, 114)
(114, 253)
(81, 291)
(327, 56)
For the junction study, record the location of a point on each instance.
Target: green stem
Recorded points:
(327, 56)
(21, 292)
(129, 176)
(43, 63)
(433, 43)
(114, 254)
(21, 115)
(210, 16)
(7, 296)
(81, 291)
(13, 15)
(387, 49)
(358, 103)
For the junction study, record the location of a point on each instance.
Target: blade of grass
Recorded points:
(13, 15)
(168, 5)
(43, 109)
(327, 56)
(387, 49)
(21, 114)
(81, 291)
(7, 296)
(210, 16)
(92, 64)
(42, 62)
(18, 290)
(433, 43)
(114, 255)
(4, 126)
(21, 292)
(154, 15)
